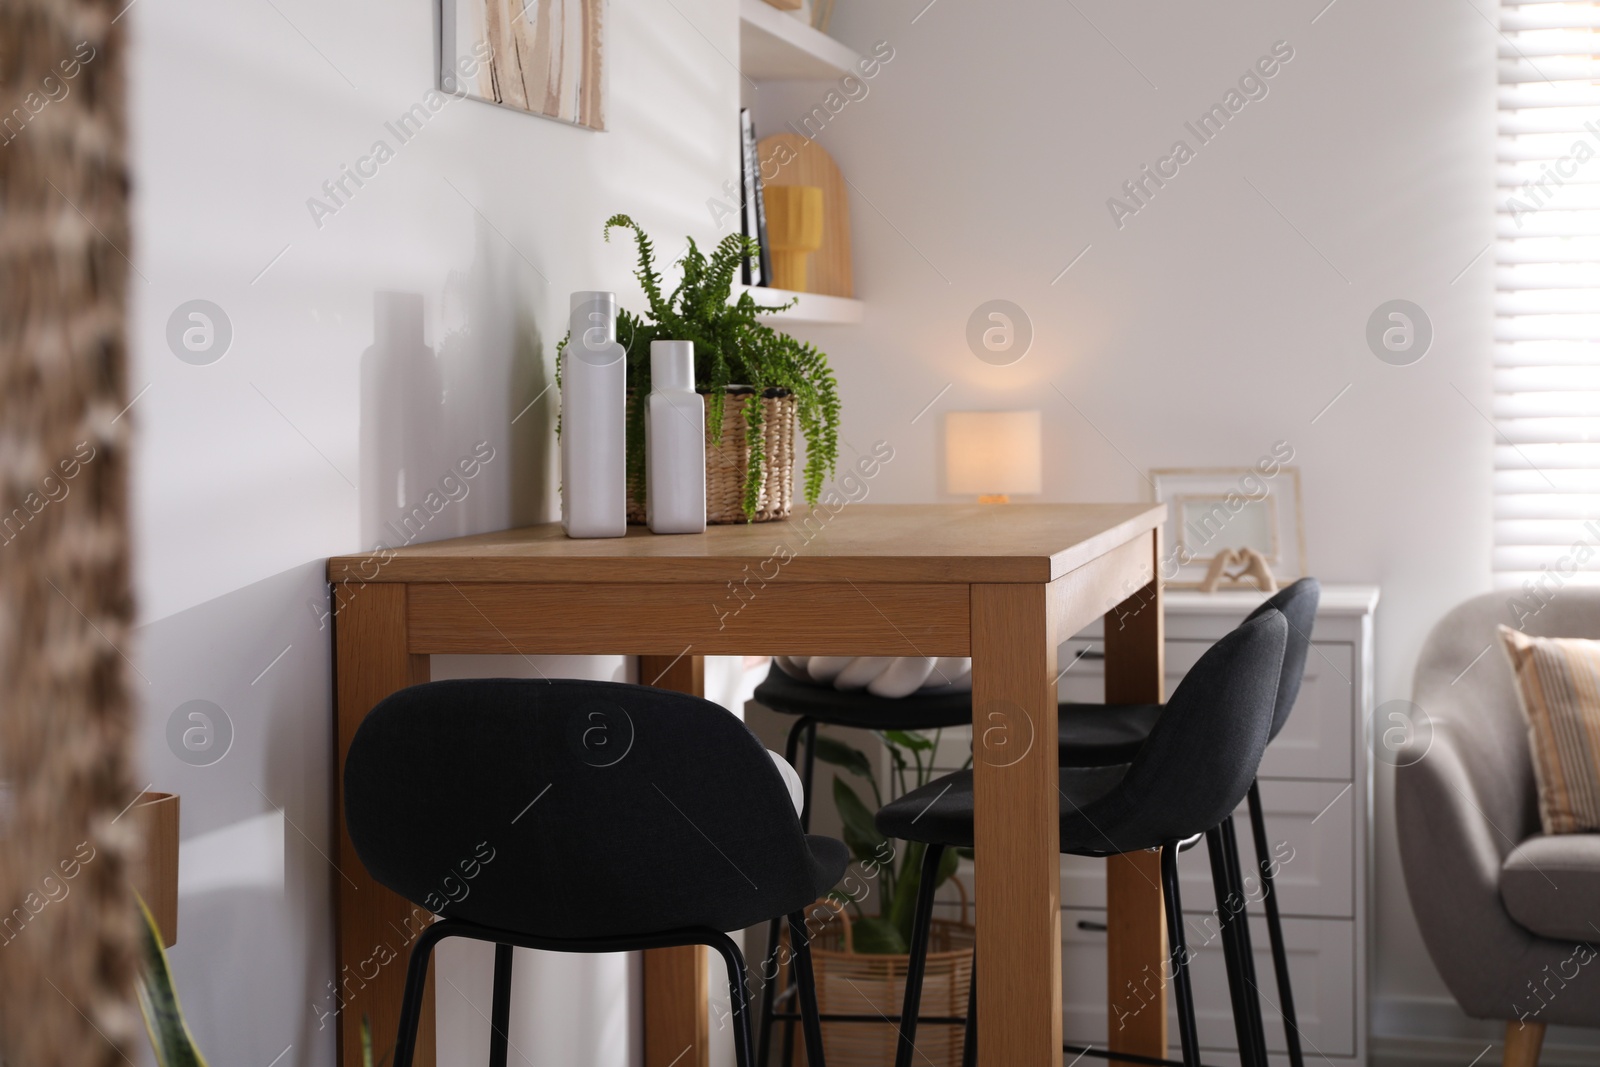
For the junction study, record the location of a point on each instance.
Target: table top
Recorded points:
(934, 543)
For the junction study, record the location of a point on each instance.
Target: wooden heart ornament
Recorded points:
(1236, 566)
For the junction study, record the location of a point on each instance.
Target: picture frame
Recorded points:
(1213, 509)
(540, 57)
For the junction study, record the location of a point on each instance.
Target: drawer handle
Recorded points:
(1091, 926)
(1090, 653)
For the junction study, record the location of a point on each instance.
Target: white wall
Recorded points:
(1209, 326)
(252, 470)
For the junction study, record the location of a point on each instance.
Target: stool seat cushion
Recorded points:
(941, 812)
(1551, 885)
(1103, 735)
(922, 710)
(1091, 734)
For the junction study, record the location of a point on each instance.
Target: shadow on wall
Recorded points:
(235, 698)
(533, 431)
(460, 440)
(236, 691)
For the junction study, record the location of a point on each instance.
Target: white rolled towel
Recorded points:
(791, 779)
(884, 676)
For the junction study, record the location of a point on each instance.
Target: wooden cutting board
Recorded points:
(790, 159)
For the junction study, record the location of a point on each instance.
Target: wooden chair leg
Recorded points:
(1523, 1040)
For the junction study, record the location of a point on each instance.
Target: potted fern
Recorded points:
(760, 384)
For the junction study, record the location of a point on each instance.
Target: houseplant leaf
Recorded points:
(877, 937)
(902, 906)
(732, 347)
(860, 834)
(836, 752)
(158, 1001)
(949, 863)
(366, 1044)
(905, 739)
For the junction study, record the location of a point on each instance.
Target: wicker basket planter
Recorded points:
(727, 462)
(874, 985)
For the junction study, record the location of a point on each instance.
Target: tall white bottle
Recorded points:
(675, 442)
(593, 421)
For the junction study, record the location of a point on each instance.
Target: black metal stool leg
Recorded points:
(808, 767)
(769, 991)
(1238, 992)
(969, 1047)
(500, 1013)
(1247, 958)
(405, 1042)
(1180, 955)
(738, 999)
(917, 963)
(800, 943)
(769, 987)
(1280, 956)
(808, 772)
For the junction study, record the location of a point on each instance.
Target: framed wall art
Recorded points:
(545, 57)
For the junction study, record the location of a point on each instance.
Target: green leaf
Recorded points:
(860, 834)
(366, 1045)
(877, 937)
(163, 1016)
(906, 739)
(731, 347)
(897, 756)
(902, 907)
(852, 759)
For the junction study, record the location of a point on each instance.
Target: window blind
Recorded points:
(1547, 299)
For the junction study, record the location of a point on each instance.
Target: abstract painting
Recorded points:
(546, 57)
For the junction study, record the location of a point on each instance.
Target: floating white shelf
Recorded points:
(816, 308)
(774, 46)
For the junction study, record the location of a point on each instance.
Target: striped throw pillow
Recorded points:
(1558, 686)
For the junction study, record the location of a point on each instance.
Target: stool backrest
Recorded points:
(1298, 603)
(571, 809)
(1203, 753)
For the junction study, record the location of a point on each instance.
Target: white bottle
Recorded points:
(675, 442)
(593, 398)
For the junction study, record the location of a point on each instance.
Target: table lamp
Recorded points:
(992, 454)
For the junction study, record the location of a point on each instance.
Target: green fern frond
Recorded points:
(732, 348)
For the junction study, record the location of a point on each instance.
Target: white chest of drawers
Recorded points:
(1316, 790)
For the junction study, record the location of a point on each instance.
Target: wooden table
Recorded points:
(1002, 584)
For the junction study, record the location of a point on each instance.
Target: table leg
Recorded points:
(677, 1028)
(373, 927)
(1017, 827)
(1136, 937)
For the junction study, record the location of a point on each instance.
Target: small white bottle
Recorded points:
(675, 442)
(593, 421)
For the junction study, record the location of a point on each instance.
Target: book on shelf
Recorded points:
(753, 211)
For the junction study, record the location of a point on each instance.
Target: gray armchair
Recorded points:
(1511, 917)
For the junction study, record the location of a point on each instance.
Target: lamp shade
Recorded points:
(992, 452)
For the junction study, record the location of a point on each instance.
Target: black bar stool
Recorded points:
(1193, 770)
(1098, 735)
(578, 816)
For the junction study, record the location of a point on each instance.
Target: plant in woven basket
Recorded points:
(900, 875)
(732, 350)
